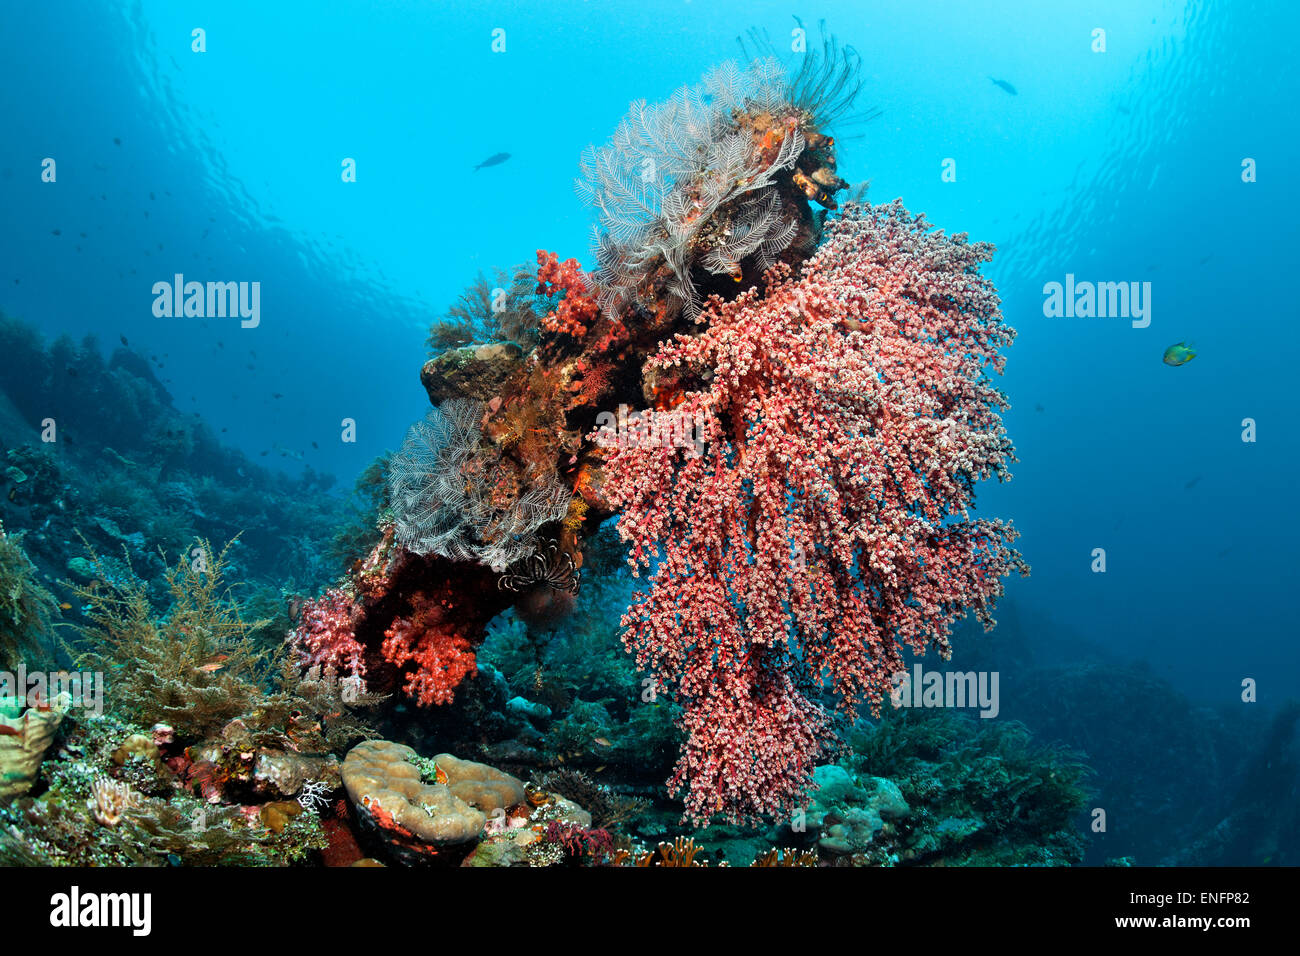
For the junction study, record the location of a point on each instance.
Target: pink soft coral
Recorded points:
(825, 525)
(325, 635)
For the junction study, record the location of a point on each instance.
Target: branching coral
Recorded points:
(825, 526)
(195, 667)
(815, 526)
(501, 309)
(26, 608)
(325, 637)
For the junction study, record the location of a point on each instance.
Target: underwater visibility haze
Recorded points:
(648, 434)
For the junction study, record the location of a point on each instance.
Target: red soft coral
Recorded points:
(428, 638)
(576, 312)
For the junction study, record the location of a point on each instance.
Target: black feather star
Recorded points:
(548, 566)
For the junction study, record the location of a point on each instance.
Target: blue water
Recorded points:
(1115, 166)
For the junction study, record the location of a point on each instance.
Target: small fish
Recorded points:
(1004, 85)
(496, 159)
(1179, 354)
(65, 606)
(601, 742)
(287, 452)
(124, 341)
(210, 668)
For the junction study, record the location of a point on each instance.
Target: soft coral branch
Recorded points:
(825, 526)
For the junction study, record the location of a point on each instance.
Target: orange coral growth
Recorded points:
(427, 638)
(576, 312)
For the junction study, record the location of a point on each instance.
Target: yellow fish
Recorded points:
(1179, 354)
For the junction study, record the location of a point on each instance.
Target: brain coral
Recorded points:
(387, 791)
(414, 818)
(479, 785)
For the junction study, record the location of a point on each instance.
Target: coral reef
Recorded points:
(975, 792)
(127, 469)
(813, 407)
(786, 411)
(111, 798)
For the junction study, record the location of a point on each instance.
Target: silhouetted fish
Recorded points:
(124, 341)
(1003, 84)
(495, 160)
